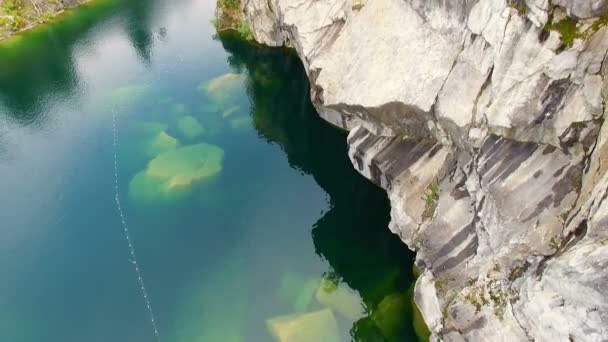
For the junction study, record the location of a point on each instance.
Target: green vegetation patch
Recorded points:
(13, 16)
(233, 5)
(228, 16)
(431, 196)
(569, 29)
(244, 30)
(519, 6)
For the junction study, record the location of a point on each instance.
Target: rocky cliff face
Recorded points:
(484, 122)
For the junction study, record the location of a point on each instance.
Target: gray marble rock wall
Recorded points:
(486, 129)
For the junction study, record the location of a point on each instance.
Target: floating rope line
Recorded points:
(125, 228)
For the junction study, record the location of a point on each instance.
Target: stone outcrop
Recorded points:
(486, 128)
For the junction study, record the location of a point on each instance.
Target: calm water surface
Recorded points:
(248, 220)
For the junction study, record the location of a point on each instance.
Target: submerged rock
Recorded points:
(309, 327)
(391, 315)
(186, 165)
(190, 127)
(298, 290)
(172, 174)
(222, 87)
(341, 299)
(365, 330)
(143, 140)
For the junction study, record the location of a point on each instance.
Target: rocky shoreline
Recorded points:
(484, 122)
(22, 15)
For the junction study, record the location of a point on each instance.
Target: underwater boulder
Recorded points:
(172, 174)
(223, 87)
(185, 165)
(340, 298)
(318, 326)
(141, 140)
(190, 127)
(392, 316)
(365, 330)
(298, 290)
(162, 142)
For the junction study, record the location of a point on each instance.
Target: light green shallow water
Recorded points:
(248, 221)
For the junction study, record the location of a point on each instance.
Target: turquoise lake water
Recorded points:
(247, 219)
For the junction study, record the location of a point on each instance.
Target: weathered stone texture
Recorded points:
(487, 133)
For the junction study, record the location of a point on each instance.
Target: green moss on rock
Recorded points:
(229, 16)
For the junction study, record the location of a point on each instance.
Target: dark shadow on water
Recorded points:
(353, 236)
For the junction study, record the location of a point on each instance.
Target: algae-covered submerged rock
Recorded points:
(392, 315)
(190, 127)
(223, 87)
(298, 290)
(340, 298)
(318, 326)
(172, 174)
(186, 165)
(142, 140)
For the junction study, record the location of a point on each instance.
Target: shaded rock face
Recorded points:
(487, 132)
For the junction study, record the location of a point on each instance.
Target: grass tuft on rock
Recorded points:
(569, 29)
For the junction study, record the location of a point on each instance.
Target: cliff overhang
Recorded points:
(484, 122)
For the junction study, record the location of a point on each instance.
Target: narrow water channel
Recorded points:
(247, 220)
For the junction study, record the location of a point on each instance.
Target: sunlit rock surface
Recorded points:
(485, 126)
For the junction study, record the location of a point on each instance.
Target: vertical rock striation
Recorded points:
(484, 122)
